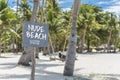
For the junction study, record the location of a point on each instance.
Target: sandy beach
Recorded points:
(87, 67)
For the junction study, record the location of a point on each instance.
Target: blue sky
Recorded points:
(106, 5)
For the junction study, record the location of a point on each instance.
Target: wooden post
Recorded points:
(33, 64)
(33, 19)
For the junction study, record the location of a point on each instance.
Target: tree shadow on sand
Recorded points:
(15, 76)
(8, 65)
(43, 73)
(5, 57)
(105, 76)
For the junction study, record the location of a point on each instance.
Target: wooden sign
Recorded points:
(35, 35)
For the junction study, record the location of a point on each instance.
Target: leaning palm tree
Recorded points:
(111, 27)
(70, 60)
(86, 24)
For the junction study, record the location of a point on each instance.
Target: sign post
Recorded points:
(33, 64)
(34, 35)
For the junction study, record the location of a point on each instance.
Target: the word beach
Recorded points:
(35, 35)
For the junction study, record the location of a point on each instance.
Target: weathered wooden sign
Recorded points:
(35, 35)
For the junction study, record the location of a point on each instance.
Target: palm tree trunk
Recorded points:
(70, 60)
(37, 53)
(109, 40)
(81, 44)
(83, 40)
(55, 43)
(115, 43)
(51, 46)
(0, 50)
(64, 45)
(28, 52)
(88, 45)
(0, 41)
(42, 11)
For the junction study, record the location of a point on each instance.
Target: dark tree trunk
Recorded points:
(45, 51)
(29, 51)
(64, 46)
(83, 40)
(109, 41)
(49, 50)
(25, 58)
(88, 45)
(81, 46)
(37, 53)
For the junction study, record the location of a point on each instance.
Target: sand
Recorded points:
(87, 67)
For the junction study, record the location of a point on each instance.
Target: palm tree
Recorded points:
(64, 29)
(25, 10)
(28, 52)
(109, 21)
(53, 20)
(70, 60)
(111, 26)
(86, 24)
(7, 17)
(3, 7)
(117, 41)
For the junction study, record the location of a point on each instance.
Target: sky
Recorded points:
(106, 5)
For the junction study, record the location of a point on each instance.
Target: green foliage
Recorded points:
(8, 18)
(3, 5)
(25, 10)
(96, 25)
